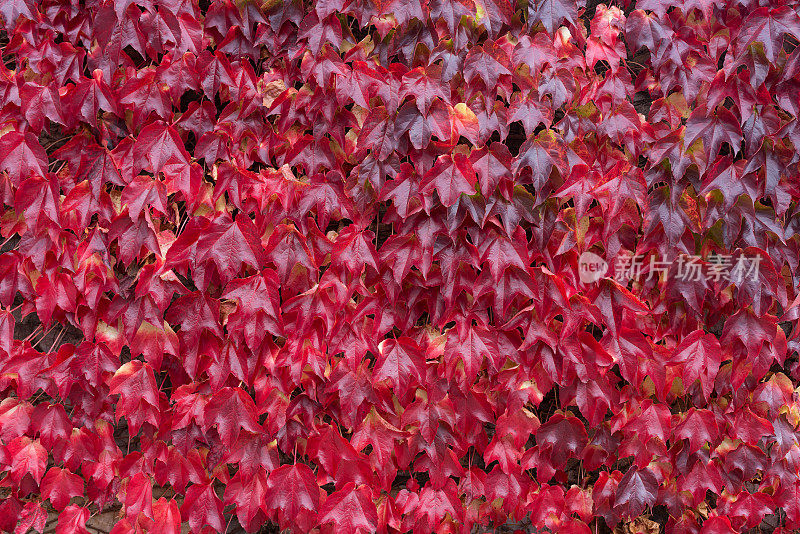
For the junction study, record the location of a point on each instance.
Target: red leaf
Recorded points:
(450, 177)
(551, 13)
(22, 156)
(699, 356)
(139, 496)
(231, 411)
(699, 427)
(60, 485)
(27, 457)
(73, 520)
(293, 493)
(203, 507)
(636, 490)
(351, 510)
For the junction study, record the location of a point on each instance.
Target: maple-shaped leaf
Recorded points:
(89, 96)
(231, 410)
(506, 487)
(654, 421)
(623, 126)
(480, 63)
(432, 506)
(292, 491)
(229, 244)
(135, 382)
(324, 66)
(139, 496)
(10, 509)
(32, 516)
(728, 177)
(702, 477)
(450, 177)
(15, 418)
(401, 362)
(403, 11)
(648, 30)
(247, 494)
(39, 201)
(196, 312)
(422, 126)
(96, 164)
(746, 510)
(73, 520)
(743, 463)
(714, 129)
(202, 507)
(214, 71)
(717, 525)
(403, 192)
(789, 499)
(551, 13)
(381, 435)
(424, 86)
(257, 313)
(749, 330)
(60, 485)
(471, 345)
(699, 427)
(531, 111)
(501, 253)
(400, 253)
(27, 457)
(179, 469)
(464, 123)
(699, 356)
(354, 251)
(40, 103)
(771, 396)
(541, 154)
(312, 154)
(378, 134)
(491, 164)
(360, 85)
(351, 509)
(428, 416)
(14, 9)
(767, 26)
(143, 193)
(636, 490)
(93, 362)
(158, 144)
(564, 437)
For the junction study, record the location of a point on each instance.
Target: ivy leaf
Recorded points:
(450, 177)
(637, 489)
(202, 507)
(699, 427)
(60, 485)
(27, 457)
(293, 493)
(231, 411)
(158, 144)
(699, 356)
(351, 509)
(424, 86)
(401, 362)
(551, 13)
(768, 27)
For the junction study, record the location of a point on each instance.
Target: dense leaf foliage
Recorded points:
(318, 265)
